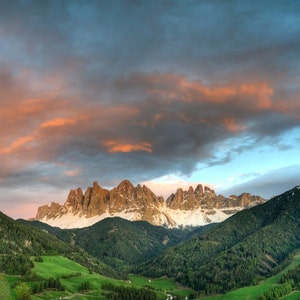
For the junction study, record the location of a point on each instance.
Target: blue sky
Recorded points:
(167, 93)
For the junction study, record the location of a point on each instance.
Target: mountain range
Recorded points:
(241, 251)
(194, 207)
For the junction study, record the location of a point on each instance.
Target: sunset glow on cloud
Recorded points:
(165, 93)
(114, 147)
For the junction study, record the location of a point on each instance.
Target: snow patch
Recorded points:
(181, 218)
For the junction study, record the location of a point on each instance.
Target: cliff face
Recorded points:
(192, 207)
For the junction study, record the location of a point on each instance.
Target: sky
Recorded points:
(167, 93)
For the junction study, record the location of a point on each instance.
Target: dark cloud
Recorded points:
(166, 120)
(139, 89)
(270, 184)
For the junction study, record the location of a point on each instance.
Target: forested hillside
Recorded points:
(19, 242)
(252, 243)
(121, 243)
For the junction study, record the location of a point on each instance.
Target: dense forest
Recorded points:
(121, 243)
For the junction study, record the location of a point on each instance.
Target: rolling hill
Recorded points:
(121, 243)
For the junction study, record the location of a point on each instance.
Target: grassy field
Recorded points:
(163, 286)
(72, 275)
(6, 282)
(252, 292)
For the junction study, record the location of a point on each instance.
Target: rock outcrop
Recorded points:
(193, 207)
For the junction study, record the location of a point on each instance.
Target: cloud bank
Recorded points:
(140, 90)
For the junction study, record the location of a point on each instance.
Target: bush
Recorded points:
(23, 291)
(85, 286)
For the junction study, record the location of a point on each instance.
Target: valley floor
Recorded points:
(72, 276)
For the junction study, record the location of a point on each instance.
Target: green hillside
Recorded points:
(254, 292)
(251, 244)
(20, 242)
(57, 276)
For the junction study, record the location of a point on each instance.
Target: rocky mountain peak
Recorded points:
(209, 190)
(48, 212)
(126, 188)
(199, 190)
(194, 207)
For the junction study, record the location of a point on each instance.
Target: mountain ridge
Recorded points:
(121, 243)
(194, 207)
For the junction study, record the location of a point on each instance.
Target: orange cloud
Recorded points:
(73, 172)
(116, 146)
(32, 106)
(193, 88)
(259, 92)
(58, 122)
(170, 87)
(16, 145)
(231, 125)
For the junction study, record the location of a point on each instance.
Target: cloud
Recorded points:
(73, 172)
(271, 183)
(16, 145)
(166, 185)
(141, 89)
(166, 119)
(58, 122)
(120, 146)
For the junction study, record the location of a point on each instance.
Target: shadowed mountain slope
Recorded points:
(121, 243)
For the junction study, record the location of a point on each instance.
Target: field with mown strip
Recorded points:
(252, 292)
(72, 275)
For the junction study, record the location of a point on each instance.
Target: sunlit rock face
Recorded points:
(194, 207)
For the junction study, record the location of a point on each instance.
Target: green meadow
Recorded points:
(72, 275)
(162, 286)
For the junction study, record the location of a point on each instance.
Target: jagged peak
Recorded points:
(146, 189)
(209, 190)
(96, 184)
(141, 203)
(126, 184)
